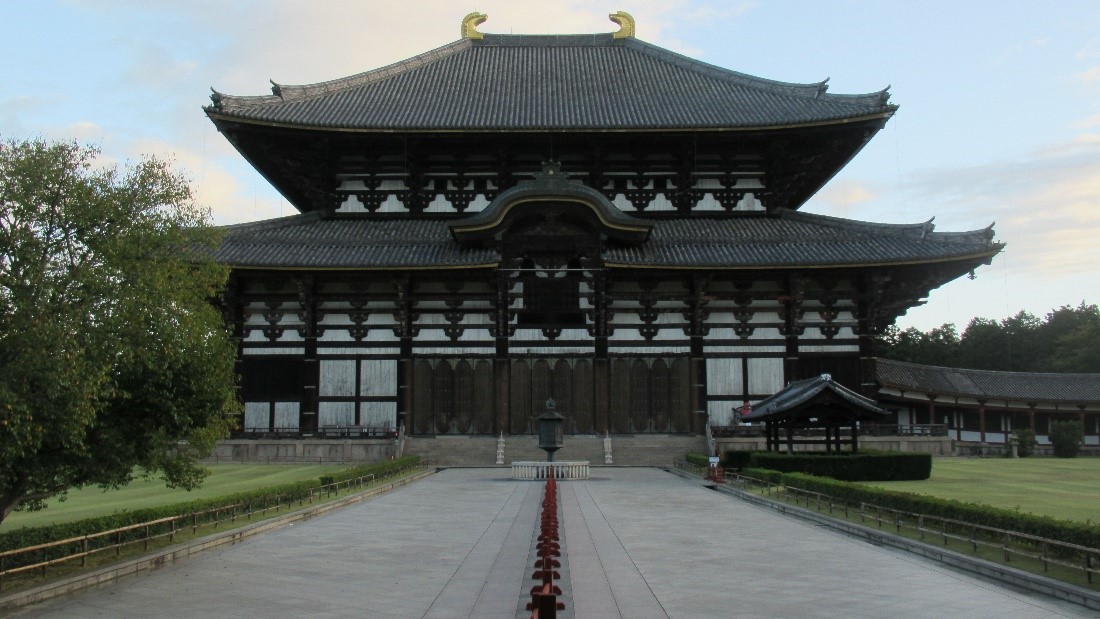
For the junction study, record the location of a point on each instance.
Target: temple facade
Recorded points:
(588, 218)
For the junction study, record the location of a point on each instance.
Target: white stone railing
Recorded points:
(539, 470)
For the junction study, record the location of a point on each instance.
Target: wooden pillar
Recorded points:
(601, 370)
(502, 376)
(502, 363)
(981, 421)
(697, 368)
(790, 439)
(311, 368)
(405, 389)
(1031, 416)
(600, 380)
(855, 437)
(406, 320)
(791, 327)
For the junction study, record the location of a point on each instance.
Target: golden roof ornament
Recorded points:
(470, 24)
(626, 24)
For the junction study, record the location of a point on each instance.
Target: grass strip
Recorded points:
(244, 509)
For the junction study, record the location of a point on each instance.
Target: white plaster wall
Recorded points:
(378, 377)
(335, 414)
(337, 377)
(765, 375)
(724, 377)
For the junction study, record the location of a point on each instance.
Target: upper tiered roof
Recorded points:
(591, 82)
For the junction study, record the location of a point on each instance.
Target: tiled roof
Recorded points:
(792, 238)
(987, 384)
(564, 82)
(804, 391)
(308, 241)
(783, 239)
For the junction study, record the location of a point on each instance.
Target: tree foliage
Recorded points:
(1066, 437)
(111, 353)
(1066, 340)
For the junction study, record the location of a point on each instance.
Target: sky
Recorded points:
(999, 119)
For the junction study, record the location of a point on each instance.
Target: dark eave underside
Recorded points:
(532, 83)
(987, 385)
(786, 240)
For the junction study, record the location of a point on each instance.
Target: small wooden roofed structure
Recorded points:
(812, 403)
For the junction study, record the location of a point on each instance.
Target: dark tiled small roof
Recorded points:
(563, 82)
(783, 239)
(803, 392)
(987, 384)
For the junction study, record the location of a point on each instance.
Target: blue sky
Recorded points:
(999, 118)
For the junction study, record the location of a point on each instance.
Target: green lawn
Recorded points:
(224, 479)
(1068, 489)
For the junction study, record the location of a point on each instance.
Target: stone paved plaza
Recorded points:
(637, 543)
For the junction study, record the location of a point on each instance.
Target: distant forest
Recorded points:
(1066, 340)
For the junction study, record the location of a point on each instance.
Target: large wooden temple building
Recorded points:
(588, 218)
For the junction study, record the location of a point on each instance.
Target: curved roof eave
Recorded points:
(216, 116)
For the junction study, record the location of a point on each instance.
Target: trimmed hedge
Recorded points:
(698, 459)
(31, 536)
(864, 466)
(1084, 534)
(736, 459)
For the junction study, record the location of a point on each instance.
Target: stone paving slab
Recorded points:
(637, 543)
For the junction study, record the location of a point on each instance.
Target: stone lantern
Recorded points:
(550, 430)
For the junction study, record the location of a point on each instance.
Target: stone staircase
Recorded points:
(627, 450)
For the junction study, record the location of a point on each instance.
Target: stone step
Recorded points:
(627, 450)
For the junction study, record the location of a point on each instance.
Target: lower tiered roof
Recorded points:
(779, 240)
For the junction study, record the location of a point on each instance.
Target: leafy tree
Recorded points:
(984, 345)
(1066, 340)
(940, 346)
(1066, 437)
(1074, 336)
(111, 354)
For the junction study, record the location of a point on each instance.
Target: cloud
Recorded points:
(293, 42)
(1045, 204)
(83, 131)
(1089, 76)
(839, 198)
(1091, 49)
(154, 67)
(13, 109)
(1088, 122)
(214, 186)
